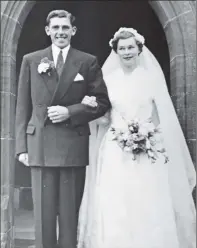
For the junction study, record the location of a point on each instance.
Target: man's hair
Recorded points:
(60, 14)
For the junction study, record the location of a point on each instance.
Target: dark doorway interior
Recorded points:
(96, 22)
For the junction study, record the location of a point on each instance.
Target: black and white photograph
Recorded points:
(98, 124)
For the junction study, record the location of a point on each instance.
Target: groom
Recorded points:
(52, 131)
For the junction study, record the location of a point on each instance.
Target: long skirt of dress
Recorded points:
(131, 205)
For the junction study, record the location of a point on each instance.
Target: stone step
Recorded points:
(24, 229)
(24, 243)
(24, 225)
(23, 198)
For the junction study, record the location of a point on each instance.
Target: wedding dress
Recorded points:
(135, 203)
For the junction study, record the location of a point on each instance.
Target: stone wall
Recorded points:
(178, 19)
(179, 22)
(13, 15)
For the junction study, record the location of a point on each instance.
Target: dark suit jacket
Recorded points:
(66, 143)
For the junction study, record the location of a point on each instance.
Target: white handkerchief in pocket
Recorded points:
(78, 77)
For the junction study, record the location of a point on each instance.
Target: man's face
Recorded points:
(60, 30)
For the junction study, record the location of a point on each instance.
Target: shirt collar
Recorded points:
(56, 50)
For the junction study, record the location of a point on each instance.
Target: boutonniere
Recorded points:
(46, 66)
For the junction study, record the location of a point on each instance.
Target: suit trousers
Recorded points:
(57, 192)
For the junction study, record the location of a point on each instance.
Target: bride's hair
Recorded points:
(125, 35)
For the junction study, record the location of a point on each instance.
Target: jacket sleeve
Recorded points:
(23, 107)
(80, 113)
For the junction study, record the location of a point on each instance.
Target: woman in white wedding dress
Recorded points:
(135, 203)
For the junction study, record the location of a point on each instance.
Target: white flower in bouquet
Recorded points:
(134, 146)
(138, 137)
(143, 131)
(151, 154)
(129, 142)
(134, 122)
(148, 144)
(127, 149)
(134, 136)
(152, 141)
(126, 136)
(131, 128)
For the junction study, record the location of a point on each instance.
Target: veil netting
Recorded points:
(182, 175)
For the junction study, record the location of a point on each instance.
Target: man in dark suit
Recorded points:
(52, 131)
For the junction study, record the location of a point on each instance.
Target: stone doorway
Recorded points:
(93, 37)
(178, 20)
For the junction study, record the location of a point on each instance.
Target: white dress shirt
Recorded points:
(56, 50)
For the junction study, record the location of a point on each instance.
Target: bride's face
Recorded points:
(128, 50)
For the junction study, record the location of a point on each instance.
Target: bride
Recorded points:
(137, 202)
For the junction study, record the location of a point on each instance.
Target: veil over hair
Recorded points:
(182, 177)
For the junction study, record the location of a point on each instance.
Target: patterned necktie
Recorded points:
(60, 63)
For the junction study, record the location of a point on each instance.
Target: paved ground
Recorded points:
(24, 229)
(24, 244)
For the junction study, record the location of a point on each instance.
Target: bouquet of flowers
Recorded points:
(140, 137)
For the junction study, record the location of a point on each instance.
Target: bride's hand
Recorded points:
(90, 101)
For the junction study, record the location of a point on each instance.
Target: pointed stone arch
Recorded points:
(178, 19)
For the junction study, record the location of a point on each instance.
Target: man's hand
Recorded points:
(90, 101)
(23, 158)
(58, 113)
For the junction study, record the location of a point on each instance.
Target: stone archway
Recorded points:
(178, 19)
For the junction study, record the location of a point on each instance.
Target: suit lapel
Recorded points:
(70, 70)
(51, 80)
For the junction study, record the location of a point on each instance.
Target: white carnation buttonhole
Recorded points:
(43, 67)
